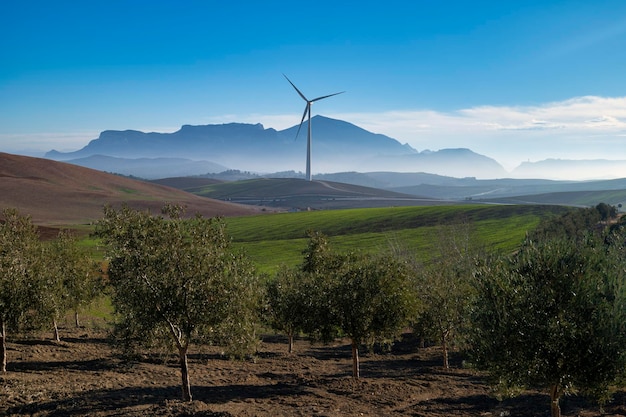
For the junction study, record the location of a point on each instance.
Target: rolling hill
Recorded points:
(298, 194)
(60, 194)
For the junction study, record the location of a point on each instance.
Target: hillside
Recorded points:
(57, 193)
(148, 168)
(299, 194)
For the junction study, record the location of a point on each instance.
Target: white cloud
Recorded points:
(578, 128)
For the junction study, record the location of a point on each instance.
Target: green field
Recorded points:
(274, 239)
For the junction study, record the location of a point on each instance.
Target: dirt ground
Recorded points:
(82, 375)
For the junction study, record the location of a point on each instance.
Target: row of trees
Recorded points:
(552, 315)
(363, 297)
(40, 281)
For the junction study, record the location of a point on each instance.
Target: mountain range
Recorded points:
(338, 146)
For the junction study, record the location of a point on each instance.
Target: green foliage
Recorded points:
(606, 211)
(552, 316)
(285, 301)
(575, 223)
(365, 297)
(373, 297)
(444, 286)
(19, 246)
(67, 277)
(178, 280)
(318, 282)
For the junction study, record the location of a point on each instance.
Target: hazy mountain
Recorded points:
(504, 190)
(458, 163)
(338, 146)
(572, 169)
(149, 168)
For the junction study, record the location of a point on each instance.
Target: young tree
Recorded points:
(177, 280)
(68, 279)
(552, 316)
(444, 286)
(286, 299)
(50, 301)
(318, 282)
(373, 299)
(367, 298)
(19, 242)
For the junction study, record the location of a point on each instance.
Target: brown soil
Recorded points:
(60, 194)
(82, 375)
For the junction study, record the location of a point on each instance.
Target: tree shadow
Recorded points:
(99, 401)
(87, 365)
(476, 404)
(329, 352)
(89, 402)
(86, 340)
(37, 342)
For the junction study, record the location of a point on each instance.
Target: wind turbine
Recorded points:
(307, 109)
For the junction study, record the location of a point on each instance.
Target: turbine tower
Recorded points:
(307, 109)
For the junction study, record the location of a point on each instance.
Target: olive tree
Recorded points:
(367, 298)
(177, 280)
(444, 286)
(286, 298)
(373, 300)
(68, 279)
(552, 316)
(19, 245)
(300, 298)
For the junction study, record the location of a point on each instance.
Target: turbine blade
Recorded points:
(306, 108)
(330, 95)
(296, 88)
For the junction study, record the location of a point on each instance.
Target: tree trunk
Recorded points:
(56, 331)
(555, 396)
(290, 336)
(3, 342)
(184, 373)
(76, 322)
(355, 361)
(444, 348)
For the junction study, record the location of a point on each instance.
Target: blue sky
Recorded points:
(513, 80)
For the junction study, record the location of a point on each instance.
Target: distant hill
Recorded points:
(60, 194)
(300, 194)
(564, 169)
(148, 168)
(338, 146)
(409, 189)
(505, 190)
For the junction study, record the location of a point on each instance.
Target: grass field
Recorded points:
(274, 239)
